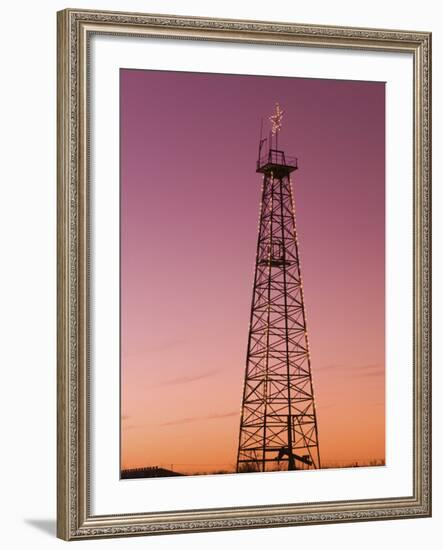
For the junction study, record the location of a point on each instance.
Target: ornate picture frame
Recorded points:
(75, 518)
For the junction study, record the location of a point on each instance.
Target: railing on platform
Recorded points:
(276, 158)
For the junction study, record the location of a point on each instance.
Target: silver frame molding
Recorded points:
(74, 518)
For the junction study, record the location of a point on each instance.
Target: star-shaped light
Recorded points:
(276, 119)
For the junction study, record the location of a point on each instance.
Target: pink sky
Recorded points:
(189, 214)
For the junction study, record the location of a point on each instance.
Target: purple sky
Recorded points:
(190, 202)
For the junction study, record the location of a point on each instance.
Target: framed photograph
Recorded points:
(243, 274)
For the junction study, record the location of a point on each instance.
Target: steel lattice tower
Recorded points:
(278, 424)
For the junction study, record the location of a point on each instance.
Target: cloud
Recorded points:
(371, 369)
(166, 345)
(188, 420)
(327, 367)
(188, 379)
(160, 347)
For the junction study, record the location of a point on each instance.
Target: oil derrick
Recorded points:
(278, 427)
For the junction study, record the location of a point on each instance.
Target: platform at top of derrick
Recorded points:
(277, 163)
